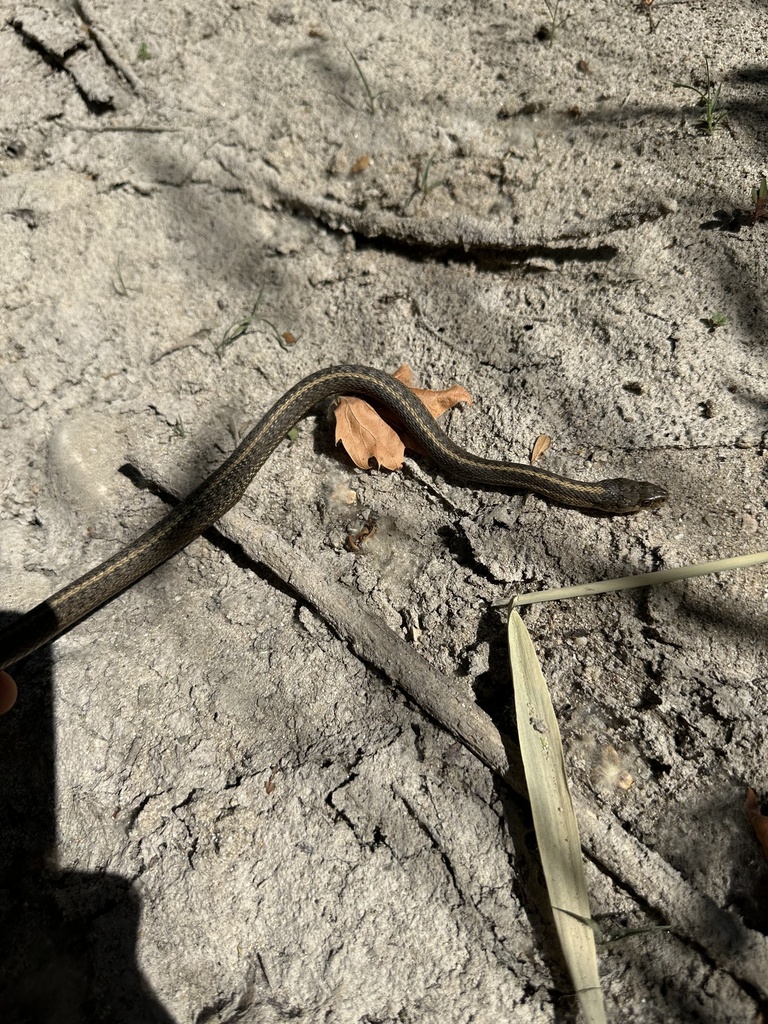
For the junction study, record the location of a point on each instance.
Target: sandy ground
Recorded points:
(225, 795)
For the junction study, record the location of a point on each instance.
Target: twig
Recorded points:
(110, 54)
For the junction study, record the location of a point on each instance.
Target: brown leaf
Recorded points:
(438, 402)
(758, 821)
(361, 164)
(366, 436)
(541, 446)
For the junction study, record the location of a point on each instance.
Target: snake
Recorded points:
(208, 502)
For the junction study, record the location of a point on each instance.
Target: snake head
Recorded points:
(632, 495)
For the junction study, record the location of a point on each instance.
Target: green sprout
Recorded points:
(718, 319)
(549, 29)
(143, 53)
(121, 288)
(283, 340)
(709, 98)
(370, 96)
(760, 201)
(425, 184)
(237, 330)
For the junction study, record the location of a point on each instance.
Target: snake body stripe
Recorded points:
(226, 485)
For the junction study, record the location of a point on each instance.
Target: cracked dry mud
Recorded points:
(223, 798)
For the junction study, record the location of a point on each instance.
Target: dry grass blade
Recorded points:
(554, 819)
(646, 579)
(542, 754)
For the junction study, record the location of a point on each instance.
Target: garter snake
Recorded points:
(226, 485)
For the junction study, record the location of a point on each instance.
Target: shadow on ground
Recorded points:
(67, 938)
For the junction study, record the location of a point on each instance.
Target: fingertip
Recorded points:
(8, 692)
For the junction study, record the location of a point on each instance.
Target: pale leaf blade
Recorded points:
(554, 820)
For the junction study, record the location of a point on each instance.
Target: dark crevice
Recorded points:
(488, 258)
(492, 257)
(435, 844)
(58, 62)
(136, 811)
(460, 549)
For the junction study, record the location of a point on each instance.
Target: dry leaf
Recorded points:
(541, 446)
(758, 821)
(438, 402)
(365, 435)
(361, 164)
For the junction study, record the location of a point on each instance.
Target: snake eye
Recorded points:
(651, 495)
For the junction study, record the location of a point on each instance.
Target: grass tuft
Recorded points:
(709, 98)
(552, 26)
(370, 95)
